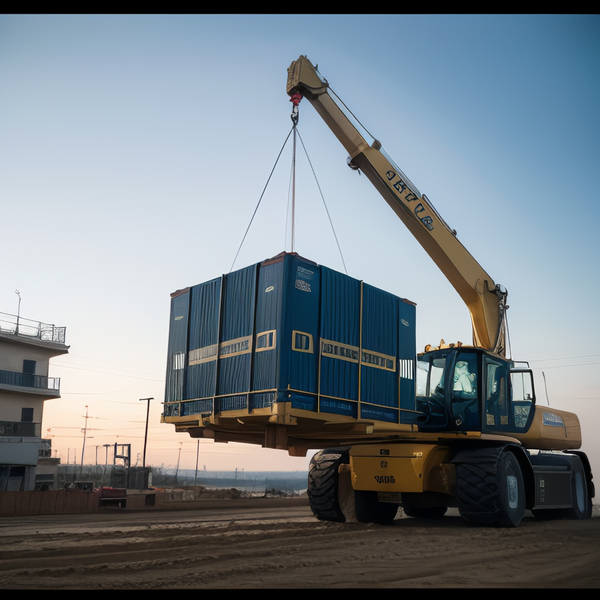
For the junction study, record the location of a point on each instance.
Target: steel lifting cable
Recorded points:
(295, 99)
(324, 204)
(261, 197)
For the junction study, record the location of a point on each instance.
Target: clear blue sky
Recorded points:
(134, 149)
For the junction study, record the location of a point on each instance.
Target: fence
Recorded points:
(19, 504)
(133, 478)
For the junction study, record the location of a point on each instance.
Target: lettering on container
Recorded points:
(303, 277)
(351, 353)
(235, 347)
(338, 350)
(302, 285)
(336, 405)
(305, 273)
(378, 360)
(202, 355)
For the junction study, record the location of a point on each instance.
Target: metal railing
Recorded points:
(20, 429)
(44, 332)
(40, 382)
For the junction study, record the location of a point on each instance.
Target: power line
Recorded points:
(567, 358)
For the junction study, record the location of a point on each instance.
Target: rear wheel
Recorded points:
(323, 483)
(370, 510)
(582, 503)
(491, 492)
(580, 495)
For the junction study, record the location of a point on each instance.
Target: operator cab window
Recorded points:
(430, 376)
(523, 398)
(497, 414)
(465, 399)
(509, 397)
(430, 391)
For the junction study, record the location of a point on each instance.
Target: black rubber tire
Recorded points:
(491, 492)
(370, 510)
(429, 512)
(582, 503)
(323, 483)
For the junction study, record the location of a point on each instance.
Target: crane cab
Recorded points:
(470, 389)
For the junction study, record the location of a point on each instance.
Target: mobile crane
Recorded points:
(291, 355)
(482, 444)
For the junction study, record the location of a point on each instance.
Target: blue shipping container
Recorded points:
(290, 330)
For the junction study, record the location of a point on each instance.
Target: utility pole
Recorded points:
(197, 454)
(84, 434)
(178, 459)
(146, 432)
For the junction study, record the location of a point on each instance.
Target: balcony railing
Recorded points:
(32, 329)
(45, 449)
(20, 429)
(40, 382)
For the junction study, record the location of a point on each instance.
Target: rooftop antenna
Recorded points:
(18, 311)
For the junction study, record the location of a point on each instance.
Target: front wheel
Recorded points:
(323, 484)
(491, 492)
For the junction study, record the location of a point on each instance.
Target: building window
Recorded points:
(27, 415)
(11, 478)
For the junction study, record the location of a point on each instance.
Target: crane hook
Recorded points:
(295, 100)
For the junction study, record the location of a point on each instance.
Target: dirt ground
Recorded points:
(278, 544)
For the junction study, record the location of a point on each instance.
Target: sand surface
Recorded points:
(277, 543)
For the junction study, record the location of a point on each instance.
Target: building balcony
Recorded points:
(35, 383)
(31, 330)
(20, 429)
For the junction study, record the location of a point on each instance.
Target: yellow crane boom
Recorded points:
(485, 300)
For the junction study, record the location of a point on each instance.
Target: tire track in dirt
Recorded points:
(305, 553)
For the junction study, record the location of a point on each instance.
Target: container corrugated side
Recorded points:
(289, 330)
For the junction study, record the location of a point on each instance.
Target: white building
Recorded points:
(26, 348)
